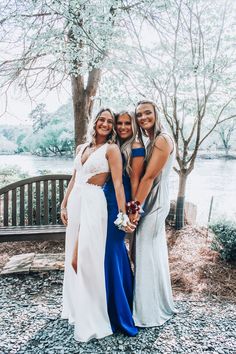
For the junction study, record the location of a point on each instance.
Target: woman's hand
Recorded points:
(130, 227)
(134, 218)
(64, 216)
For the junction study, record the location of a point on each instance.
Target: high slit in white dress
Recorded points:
(84, 292)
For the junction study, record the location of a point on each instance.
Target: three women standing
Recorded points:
(87, 285)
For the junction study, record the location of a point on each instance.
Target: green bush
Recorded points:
(224, 240)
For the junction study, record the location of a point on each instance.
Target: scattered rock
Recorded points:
(199, 327)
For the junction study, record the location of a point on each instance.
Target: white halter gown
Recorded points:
(84, 292)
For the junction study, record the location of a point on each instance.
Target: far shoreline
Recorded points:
(204, 155)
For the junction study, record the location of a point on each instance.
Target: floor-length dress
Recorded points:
(153, 303)
(84, 292)
(118, 273)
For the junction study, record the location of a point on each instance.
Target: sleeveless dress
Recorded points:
(118, 273)
(84, 292)
(153, 303)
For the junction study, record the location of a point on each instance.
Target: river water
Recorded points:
(209, 178)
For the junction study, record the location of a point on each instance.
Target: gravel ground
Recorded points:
(30, 322)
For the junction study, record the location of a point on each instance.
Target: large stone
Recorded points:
(190, 213)
(20, 263)
(48, 261)
(31, 262)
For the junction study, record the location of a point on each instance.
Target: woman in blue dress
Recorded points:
(118, 273)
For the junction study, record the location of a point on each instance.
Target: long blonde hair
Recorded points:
(158, 127)
(91, 133)
(126, 147)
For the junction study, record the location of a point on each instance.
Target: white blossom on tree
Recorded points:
(182, 55)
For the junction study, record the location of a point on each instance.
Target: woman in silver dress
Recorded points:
(153, 303)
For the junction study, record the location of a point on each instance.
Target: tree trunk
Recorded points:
(227, 151)
(83, 102)
(80, 108)
(179, 216)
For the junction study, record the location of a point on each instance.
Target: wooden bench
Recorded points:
(30, 208)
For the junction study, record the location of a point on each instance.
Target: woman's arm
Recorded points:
(162, 149)
(115, 163)
(64, 216)
(68, 190)
(137, 169)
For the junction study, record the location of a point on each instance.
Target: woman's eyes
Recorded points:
(146, 112)
(120, 124)
(102, 120)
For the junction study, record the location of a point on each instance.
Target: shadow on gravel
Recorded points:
(57, 337)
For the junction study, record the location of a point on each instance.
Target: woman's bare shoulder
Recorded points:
(137, 145)
(112, 147)
(112, 150)
(164, 142)
(78, 148)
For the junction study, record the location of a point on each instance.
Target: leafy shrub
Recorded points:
(224, 240)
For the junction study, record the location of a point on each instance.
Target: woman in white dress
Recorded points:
(84, 211)
(153, 303)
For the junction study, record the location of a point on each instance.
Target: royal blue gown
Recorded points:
(118, 273)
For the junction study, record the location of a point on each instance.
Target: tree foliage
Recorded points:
(187, 67)
(54, 138)
(12, 137)
(46, 43)
(39, 117)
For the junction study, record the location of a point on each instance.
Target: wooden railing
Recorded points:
(32, 202)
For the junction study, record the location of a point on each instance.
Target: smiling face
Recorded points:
(124, 127)
(145, 115)
(104, 124)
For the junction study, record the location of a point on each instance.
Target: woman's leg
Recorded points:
(75, 257)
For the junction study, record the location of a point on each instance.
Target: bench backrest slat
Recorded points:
(38, 204)
(13, 206)
(33, 201)
(22, 205)
(5, 200)
(45, 202)
(54, 202)
(30, 204)
(61, 190)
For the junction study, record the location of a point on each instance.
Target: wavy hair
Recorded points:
(158, 127)
(91, 133)
(126, 147)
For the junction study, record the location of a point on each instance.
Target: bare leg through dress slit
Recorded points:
(74, 262)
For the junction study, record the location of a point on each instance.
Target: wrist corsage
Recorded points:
(133, 207)
(122, 221)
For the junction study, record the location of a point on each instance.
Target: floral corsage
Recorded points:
(133, 207)
(122, 221)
